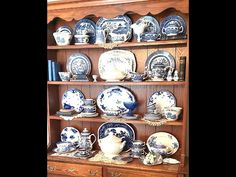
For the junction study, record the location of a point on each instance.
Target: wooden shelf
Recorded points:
(102, 83)
(99, 119)
(125, 44)
(135, 164)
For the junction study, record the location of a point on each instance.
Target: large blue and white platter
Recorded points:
(118, 25)
(173, 25)
(152, 28)
(74, 98)
(162, 99)
(70, 134)
(113, 60)
(112, 99)
(64, 29)
(89, 26)
(78, 63)
(159, 61)
(164, 143)
(119, 129)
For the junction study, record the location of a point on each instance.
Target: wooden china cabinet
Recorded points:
(68, 12)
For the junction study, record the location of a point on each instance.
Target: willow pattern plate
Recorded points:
(160, 141)
(78, 63)
(159, 61)
(89, 26)
(118, 25)
(74, 98)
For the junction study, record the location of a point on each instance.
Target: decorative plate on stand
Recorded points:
(89, 26)
(118, 25)
(159, 61)
(152, 28)
(116, 60)
(70, 134)
(73, 98)
(162, 98)
(78, 64)
(112, 99)
(173, 26)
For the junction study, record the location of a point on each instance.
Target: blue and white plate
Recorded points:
(160, 61)
(70, 134)
(73, 98)
(64, 29)
(112, 99)
(70, 149)
(119, 129)
(118, 25)
(152, 28)
(164, 143)
(89, 26)
(78, 63)
(173, 25)
(162, 99)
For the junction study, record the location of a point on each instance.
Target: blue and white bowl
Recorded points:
(62, 38)
(65, 76)
(172, 113)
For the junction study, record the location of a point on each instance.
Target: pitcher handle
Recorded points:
(94, 138)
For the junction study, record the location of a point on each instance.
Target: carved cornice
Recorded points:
(77, 9)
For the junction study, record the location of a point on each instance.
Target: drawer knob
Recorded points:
(92, 173)
(115, 174)
(51, 168)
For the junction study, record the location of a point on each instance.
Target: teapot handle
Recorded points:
(94, 138)
(181, 29)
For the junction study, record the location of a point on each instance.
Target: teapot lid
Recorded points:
(85, 131)
(112, 138)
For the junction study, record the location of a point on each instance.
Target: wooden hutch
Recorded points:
(69, 12)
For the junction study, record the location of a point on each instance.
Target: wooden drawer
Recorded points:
(70, 169)
(115, 172)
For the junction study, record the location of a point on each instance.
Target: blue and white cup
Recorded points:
(81, 39)
(89, 109)
(63, 146)
(89, 102)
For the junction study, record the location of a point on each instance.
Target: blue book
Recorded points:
(57, 70)
(49, 70)
(53, 70)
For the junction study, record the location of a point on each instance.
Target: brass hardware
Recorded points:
(50, 168)
(115, 174)
(71, 170)
(92, 173)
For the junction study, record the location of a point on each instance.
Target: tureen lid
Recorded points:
(111, 138)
